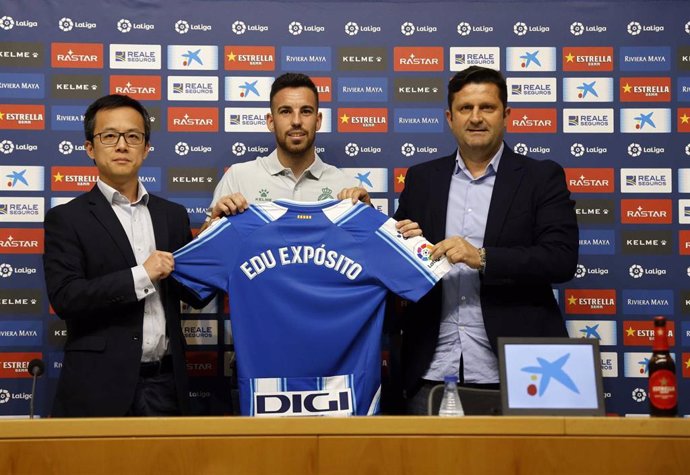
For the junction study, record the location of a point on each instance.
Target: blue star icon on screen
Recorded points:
(17, 177)
(645, 119)
(591, 332)
(588, 88)
(192, 56)
(531, 58)
(249, 88)
(364, 179)
(552, 370)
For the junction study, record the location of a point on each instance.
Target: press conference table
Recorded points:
(351, 446)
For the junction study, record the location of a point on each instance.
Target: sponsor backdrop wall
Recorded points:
(602, 88)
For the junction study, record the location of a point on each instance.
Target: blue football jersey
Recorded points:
(307, 285)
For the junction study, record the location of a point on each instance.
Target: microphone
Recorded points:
(36, 369)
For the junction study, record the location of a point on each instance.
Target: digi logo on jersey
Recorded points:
(645, 58)
(22, 86)
(590, 301)
(533, 121)
(22, 117)
(647, 302)
(315, 58)
(590, 180)
(463, 57)
(20, 54)
(143, 88)
(333, 402)
(588, 58)
(192, 119)
(531, 89)
(250, 58)
(371, 120)
(418, 58)
(640, 211)
(76, 55)
(531, 59)
(362, 59)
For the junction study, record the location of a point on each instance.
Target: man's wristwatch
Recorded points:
(482, 260)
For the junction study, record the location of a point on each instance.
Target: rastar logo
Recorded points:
(21, 241)
(192, 119)
(202, 363)
(641, 333)
(362, 119)
(72, 178)
(418, 58)
(399, 179)
(590, 301)
(684, 242)
(143, 88)
(590, 180)
(642, 89)
(250, 58)
(76, 55)
(540, 121)
(646, 211)
(22, 117)
(588, 58)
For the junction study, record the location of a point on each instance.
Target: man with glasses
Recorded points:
(107, 257)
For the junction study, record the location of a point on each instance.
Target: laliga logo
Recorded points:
(577, 28)
(181, 148)
(295, 28)
(407, 149)
(634, 28)
(66, 24)
(407, 28)
(351, 28)
(7, 23)
(687, 28)
(182, 26)
(239, 149)
(636, 271)
(687, 149)
(634, 150)
(65, 147)
(520, 28)
(124, 25)
(639, 395)
(5, 270)
(580, 272)
(424, 252)
(352, 149)
(521, 148)
(577, 150)
(464, 28)
(4, 396)
(239, 27)
(6, 147)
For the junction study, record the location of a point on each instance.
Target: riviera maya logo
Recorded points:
(424, 252)
(545, 372)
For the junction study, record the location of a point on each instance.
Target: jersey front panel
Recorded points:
(307, 285)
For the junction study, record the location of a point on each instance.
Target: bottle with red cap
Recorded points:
(663, 390)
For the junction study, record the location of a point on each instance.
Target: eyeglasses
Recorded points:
(112, 138)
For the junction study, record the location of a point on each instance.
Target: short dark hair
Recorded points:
(293, 80)
(477, 75)
(114, 101)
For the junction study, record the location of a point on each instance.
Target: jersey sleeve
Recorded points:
(403, 265)
(204, 264)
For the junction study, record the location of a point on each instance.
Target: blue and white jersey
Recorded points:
(307, 285)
